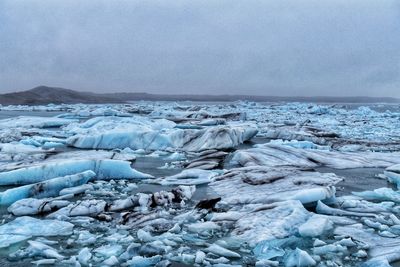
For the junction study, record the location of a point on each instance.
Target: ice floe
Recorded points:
(283, 155)
(104, 169)
(138, 133)
(271, 221)
(266, 185)
(48, 188)
(33, 206)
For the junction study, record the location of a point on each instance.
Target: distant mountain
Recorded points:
(45, 95)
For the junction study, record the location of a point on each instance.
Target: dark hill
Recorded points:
(45, 95)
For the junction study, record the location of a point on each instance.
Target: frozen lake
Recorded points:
(206, 184)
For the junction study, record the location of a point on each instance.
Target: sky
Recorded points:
(269, 47)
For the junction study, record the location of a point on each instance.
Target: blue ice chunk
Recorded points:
(104, 169)
(48, 188)
(393, 174)
(380, 194)
(270, 249)
(299, 258)
(29, 226)
(139, 261)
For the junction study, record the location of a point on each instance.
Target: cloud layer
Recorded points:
(281, 47)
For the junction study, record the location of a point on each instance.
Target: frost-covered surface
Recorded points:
(160, 183)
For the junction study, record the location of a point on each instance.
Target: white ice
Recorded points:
(266, 185)
(271, 221)
(33, 206)
(282, 155)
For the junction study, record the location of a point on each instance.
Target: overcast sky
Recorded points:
(281, 47)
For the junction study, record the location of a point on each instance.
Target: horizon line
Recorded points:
(213, 95)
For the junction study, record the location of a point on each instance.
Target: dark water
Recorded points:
(153, 166)
(357, 180)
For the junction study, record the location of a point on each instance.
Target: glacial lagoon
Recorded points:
(204, 184)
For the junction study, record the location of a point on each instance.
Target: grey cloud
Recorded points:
(281, 47)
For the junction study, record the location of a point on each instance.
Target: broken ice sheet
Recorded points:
(273, 208)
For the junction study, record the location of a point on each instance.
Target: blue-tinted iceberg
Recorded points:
(104, 169)
(139, 133)
(47, 188)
